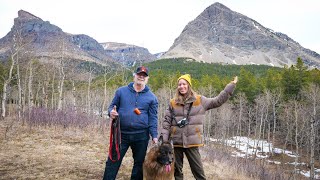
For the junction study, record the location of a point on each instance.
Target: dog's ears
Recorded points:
(160, 140)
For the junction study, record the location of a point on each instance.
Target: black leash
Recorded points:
(115, 140)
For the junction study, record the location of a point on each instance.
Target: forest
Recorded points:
(280, 105)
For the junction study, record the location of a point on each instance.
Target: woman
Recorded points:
(184, 123)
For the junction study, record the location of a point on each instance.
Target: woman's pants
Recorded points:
(194, 159)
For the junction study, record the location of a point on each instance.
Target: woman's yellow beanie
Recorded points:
(186, 77)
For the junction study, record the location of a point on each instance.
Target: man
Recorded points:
(136, 107)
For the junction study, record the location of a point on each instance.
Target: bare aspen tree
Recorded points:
(296, 137)
(37, 98)
(30, 81)
(24, 90)
(20, 45)
(208, 134)
(223, 123)
(171, 84)
(30, 93)
(314, 98)
(74, 99)
(260, 118)
(288, 125)
(19, 90)
(107, 71)
(88, 91)
(242, 109)
(17, 46)
(163, 99)
(45, 90)
(5, 85)
(268, 101)
(241, 104)
(62, 75)
(53, 90)
(255, 116)
(61, 83)
(275, 98)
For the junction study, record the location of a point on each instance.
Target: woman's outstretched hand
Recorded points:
(235, 80)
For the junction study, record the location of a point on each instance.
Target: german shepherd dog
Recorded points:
(159, 162)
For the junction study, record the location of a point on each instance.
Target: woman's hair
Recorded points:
(180, 98)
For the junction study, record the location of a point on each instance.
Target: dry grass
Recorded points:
(51, 153)
(216, 170)
(58, 153)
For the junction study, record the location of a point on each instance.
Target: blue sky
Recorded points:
(155, 24)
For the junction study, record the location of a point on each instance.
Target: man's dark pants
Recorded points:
(138, 144)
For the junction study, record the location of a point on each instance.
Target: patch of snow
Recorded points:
(247, 147)
(105, 46)
(254, 24)
(252, 146)
(293, 163)
(272, 31)
(275, 162)
(303, 172)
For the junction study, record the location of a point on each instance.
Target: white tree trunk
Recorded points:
(74, 96)
(5, 85)
(88, 92)
(30, 81)
(61, 84)
(296, 138)
(315, 96)
(3, 101)
(52, 89)
(19, 91)
(107, 70)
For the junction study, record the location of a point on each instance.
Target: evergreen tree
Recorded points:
(272, 79)
(294, 79)
(247, 84)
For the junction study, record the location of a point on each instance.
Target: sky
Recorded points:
(155, 24)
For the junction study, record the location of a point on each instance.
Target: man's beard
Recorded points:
(140, 83)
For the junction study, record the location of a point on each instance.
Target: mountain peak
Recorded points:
(26, 15)
(221, 35)
(219, 6)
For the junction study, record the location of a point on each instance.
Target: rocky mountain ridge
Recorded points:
(221, 35)
(128, 54)
(47, 42)
(217, 35)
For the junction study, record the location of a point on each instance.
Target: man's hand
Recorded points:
(114, 113)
